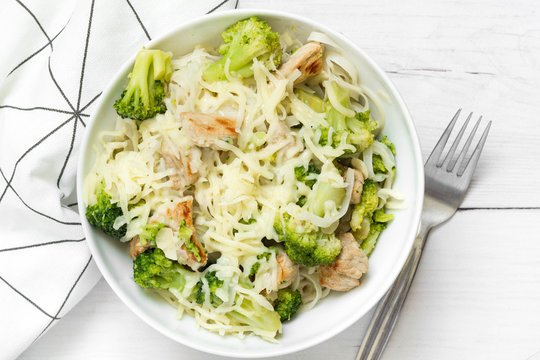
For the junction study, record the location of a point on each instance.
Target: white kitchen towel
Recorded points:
(55, 58)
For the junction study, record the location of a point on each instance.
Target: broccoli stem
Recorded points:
(323, 192)
(311, 100)
(335, 119)
(143, 96)
(244, 41)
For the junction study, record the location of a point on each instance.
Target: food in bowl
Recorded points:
(249, 182)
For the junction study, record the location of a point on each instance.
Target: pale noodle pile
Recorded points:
(241, 181)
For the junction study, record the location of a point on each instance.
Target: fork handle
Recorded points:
(385, 317)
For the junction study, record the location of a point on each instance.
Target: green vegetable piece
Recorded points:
(254, 269)
(257, 140)
(368, 204)
(306, 246)
(263, 256)
(247, 39)
(378, 165)
(368, 245)
(361, 127)
(247, 222)
(301, 201)
(287, 303)
(311, 100)
(151, 269)
(358, 130)
(104, 213)
(322, 193)
(255, 315)
(379, 216)
(307, 176)
(213, 284)
(391, 146)
(149, 233)
(143, 97)
(185, 234)
(266, 255)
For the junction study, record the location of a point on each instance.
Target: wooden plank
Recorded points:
(475, 296)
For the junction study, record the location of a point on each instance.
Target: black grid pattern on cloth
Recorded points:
(74, 117)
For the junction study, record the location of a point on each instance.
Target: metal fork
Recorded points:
(446, 186)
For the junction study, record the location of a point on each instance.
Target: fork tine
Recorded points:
(437, 151)
(475, 155)
(461, 158)
(449, 159)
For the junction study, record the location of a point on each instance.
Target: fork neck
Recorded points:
(423, 231)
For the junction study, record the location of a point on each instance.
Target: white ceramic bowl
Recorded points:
(336, 312)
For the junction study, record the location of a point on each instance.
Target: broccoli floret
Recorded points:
(368, 204)
(213, 283)
(361, 127)
(151, 269)
(378, 165)
(267, 254)
(391, 146)
(248, 221)
(380, 216)
(254, 314)
(307, 176)
(302, 201)
(149, 233)
(369, 243)
(287, 303)
(247, 39)
(103, 214)
(245, 222)
(371, 228)
(305, 245)
(184, 234)
(143, 96)
(254, 269)
(358, 130)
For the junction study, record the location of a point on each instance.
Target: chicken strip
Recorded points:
(177, 160)
(287, 270)
(345, 272)
(307, 59)
(135, 248)
(172, 218)
(358, 185)
(205, 129)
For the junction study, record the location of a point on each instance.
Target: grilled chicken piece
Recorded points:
(307, 59)
(135, 248)
(287, 270)
(172, 218)
(358, 185)
(345, 272)
(205, 129)
(177, 160)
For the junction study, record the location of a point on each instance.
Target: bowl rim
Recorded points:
(323, 336)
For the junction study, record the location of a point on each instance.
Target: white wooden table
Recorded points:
(477, 292)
